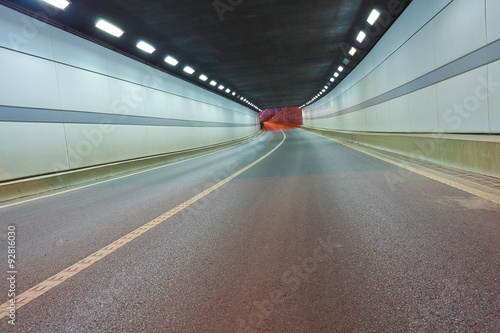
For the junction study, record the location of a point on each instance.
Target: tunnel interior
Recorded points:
(249, 166)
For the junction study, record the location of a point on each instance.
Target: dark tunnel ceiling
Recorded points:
(274, 53)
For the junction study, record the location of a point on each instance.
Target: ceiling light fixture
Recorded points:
(188, 70)
(109, 28)
(336, 74)
(171, 61)
(352, 51)
(221, 87)
(203, 77)
(340, 69)
(213, 83)
(228, 90)
(61, 4)
(373, 16)
(145, 47)
(361, 36)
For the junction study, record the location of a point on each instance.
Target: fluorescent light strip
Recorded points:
(145, 47)
(373, 16)
(109, 28)
(61, 4)
(361, 36)
(171, 61)
(188, 70)
(203, 77)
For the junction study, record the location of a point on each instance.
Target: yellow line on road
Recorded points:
(43, 287)
(421, 171)
(124, 176)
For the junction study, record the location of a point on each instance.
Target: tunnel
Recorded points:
(250, 166)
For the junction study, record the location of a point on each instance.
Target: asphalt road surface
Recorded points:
(310, 238)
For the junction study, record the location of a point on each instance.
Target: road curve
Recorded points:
(312, 238)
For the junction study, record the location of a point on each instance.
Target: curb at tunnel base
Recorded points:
(15, 189)
(473, 153)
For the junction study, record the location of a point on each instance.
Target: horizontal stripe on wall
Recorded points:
(481, 57)
(34, 115)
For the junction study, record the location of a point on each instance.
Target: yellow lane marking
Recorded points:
(71, 271)
(125, 176)
(421, 171)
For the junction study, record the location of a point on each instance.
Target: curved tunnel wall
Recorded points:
(67, 103)
(435, 70)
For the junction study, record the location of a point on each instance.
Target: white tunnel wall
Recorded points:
(460, 97)
(68, 103)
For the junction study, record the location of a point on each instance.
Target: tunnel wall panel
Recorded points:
(494, 98)
(78, 52)
(83, 90)
(19, 87)
(45, 144)
(435, 70)
(459, 109)
(67, 103)
(23, 34)
(422, 108)
(458, 30)
(492, 21)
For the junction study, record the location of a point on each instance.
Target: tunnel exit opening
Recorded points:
(281, 118)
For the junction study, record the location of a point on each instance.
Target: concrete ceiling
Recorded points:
(275, 53)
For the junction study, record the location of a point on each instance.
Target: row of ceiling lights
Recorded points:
(361, 36)
(148, 48)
